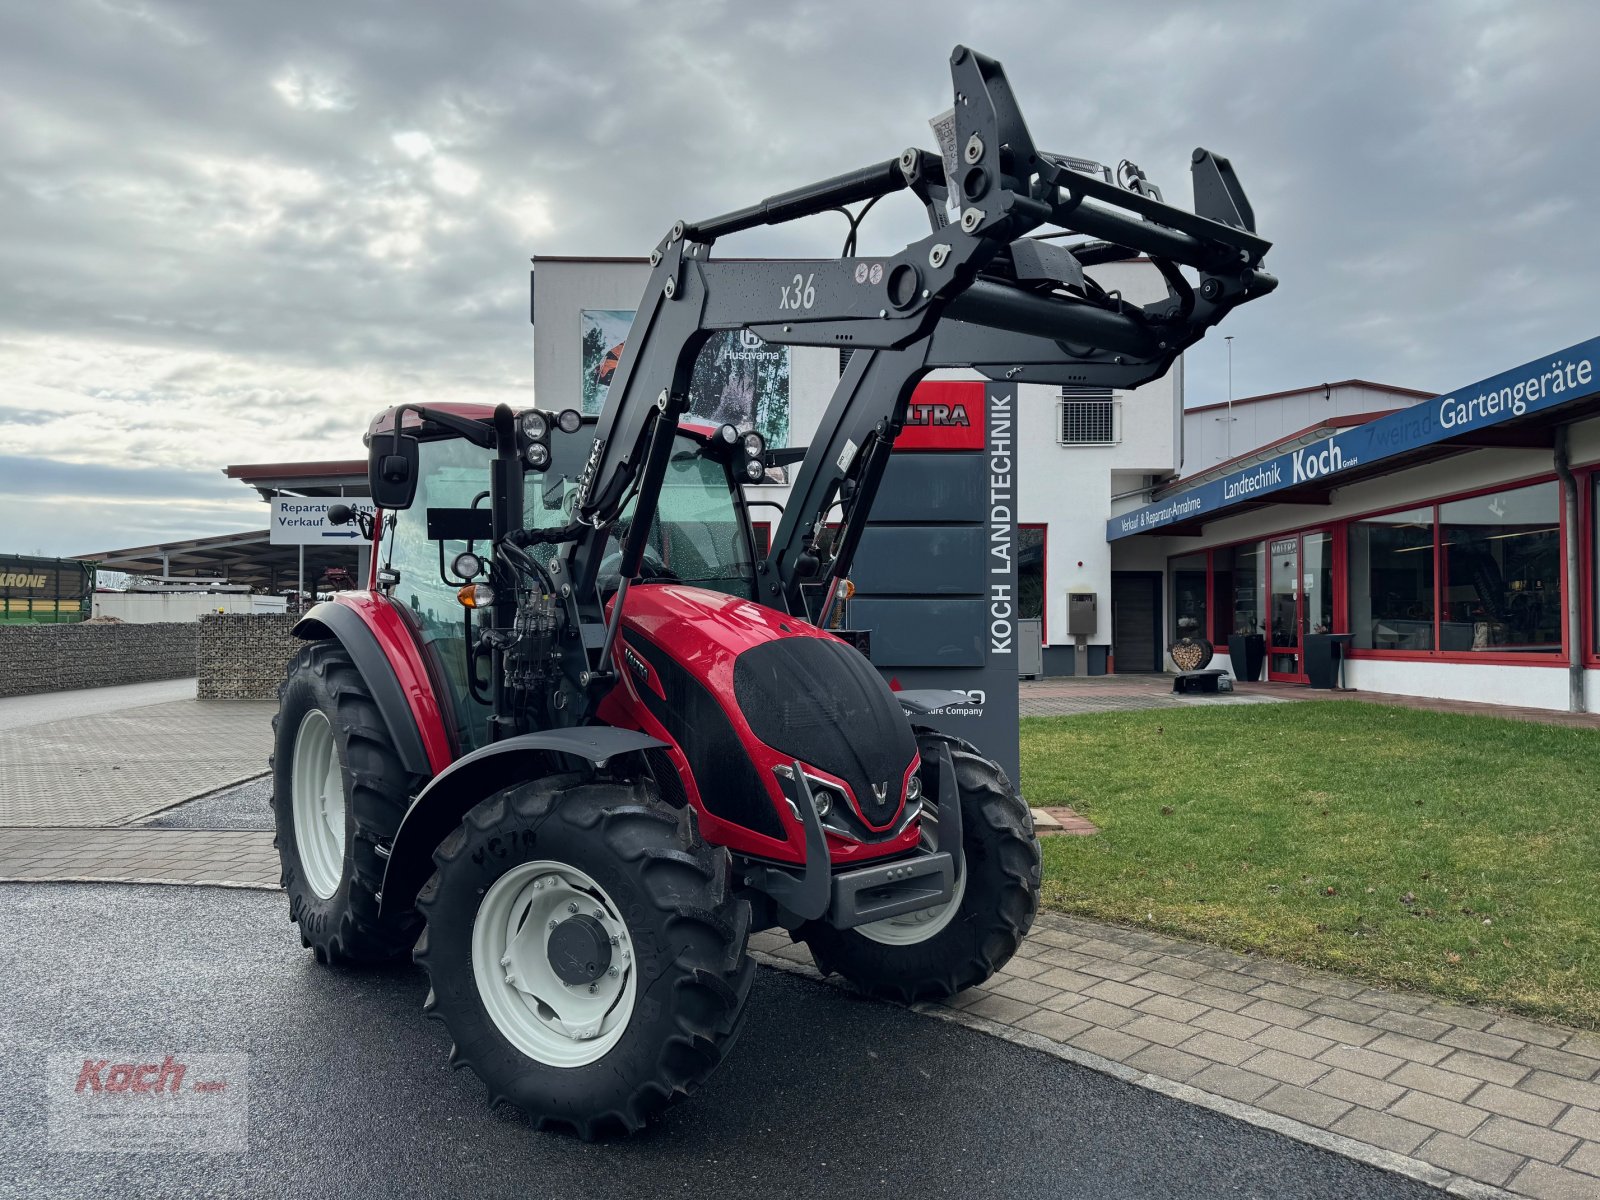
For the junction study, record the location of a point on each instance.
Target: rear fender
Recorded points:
(383, 650)
(475, 777)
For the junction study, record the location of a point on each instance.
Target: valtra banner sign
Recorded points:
(944, 415)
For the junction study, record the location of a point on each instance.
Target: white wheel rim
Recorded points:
(317, 787)
(918, 926)
(547, 1020)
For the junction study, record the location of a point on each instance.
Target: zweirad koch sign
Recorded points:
(298, 522)
(1560, 378)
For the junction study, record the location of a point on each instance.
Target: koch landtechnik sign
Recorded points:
(1544, 383)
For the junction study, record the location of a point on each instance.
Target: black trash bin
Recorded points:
(1247, 652)
(1325, 658)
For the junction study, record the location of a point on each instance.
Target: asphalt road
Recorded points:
(350, 1092)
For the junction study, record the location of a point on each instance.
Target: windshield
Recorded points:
(697, 536)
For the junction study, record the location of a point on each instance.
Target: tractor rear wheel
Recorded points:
(935, 952)
(585, 952)
(338, 792)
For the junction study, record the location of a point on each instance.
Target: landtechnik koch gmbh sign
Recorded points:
(1543, 383)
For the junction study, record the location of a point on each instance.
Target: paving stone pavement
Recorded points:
(1461, 1097)
(1058, 696)
(109, 768)
(231, 858)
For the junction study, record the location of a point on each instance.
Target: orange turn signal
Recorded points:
(476, 595)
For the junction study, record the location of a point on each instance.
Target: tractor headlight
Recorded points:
(914, 789)
(729, 435)
(754, 471)
(755, 446)
(821, 799)
(466, 565)
(535, 425)
(570, 420)
(537, 455)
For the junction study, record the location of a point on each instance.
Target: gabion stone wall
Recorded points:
(54, 658)
(241, 656)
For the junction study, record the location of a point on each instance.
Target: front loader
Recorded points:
(580, 738)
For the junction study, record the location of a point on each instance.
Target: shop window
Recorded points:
(1030, 572)
(1391, 581)
(1188, 591)
(1500, 572)
(1238, 581)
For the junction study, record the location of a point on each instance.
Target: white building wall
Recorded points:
(145, 608)
(1212, 434)
(1066, 488)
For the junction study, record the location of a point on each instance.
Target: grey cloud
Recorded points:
(228, 191)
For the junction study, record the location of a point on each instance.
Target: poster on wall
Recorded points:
(738, 379)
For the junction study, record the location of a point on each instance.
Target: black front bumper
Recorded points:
(858, 896)
(873, 893)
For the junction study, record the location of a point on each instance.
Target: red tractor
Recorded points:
(580, 739)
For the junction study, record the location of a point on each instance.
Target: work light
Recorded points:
(755, 446)
(753, 470)
(538, 455)
(570, 420)
(728, 434)
(535, 425)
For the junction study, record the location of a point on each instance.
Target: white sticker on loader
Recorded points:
(847, 455)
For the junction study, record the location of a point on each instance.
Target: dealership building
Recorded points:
(1451, 538)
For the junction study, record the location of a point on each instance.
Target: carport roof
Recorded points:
(241, 558)
(1516, 409)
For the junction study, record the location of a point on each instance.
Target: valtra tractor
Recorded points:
(580, 738)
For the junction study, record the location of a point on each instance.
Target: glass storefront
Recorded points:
(1188, 591)
(1238, 587)
(1500, 571)
(1391, 581)
(1478, 575)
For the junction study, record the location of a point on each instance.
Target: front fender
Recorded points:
(383, 650)
(474, 777)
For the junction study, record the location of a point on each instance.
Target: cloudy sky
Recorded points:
(231, 231)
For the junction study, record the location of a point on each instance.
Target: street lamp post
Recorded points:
(1229, 339)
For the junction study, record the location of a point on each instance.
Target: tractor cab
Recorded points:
(435, 558)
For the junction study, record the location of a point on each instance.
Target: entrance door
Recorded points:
(1300, 599)
(1136, 621)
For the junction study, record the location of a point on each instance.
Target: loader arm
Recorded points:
(979, 293)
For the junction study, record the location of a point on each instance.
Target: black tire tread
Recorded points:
(1017, 863)
(682, 876)
(378, 791)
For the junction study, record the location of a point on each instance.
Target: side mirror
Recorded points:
(392, 470)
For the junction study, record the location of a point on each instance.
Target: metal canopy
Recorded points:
(242, 558)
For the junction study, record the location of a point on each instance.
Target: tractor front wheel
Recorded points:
(338, 793)
(935, 952)
(585, 952)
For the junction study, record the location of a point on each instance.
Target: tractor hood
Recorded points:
(742, 689)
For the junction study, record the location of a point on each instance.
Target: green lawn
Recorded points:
(1459, 855)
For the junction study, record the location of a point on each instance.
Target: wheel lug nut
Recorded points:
(593, 988)
(552, 922)
(613, 939)
(613, 972)
(506, 961)
(572, 908)
(625, 954)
